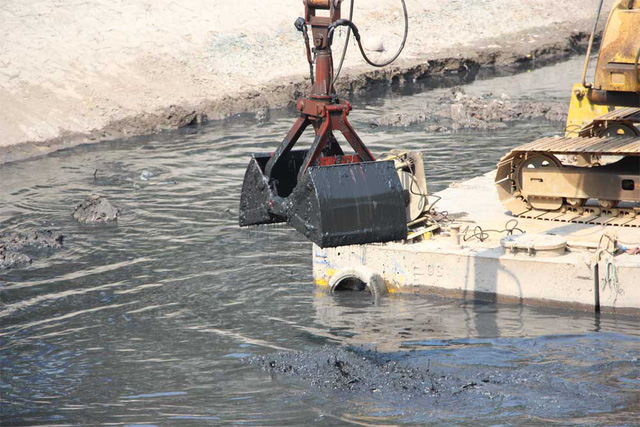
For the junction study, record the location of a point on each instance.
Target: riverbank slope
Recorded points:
(85, 71)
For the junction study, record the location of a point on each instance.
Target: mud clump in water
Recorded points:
(14, 245)
(9, 258)
(96, 209)
(461, 111)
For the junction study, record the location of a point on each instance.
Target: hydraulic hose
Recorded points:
(593, 34)
(356, 34)
(301, 26)
(346, 45)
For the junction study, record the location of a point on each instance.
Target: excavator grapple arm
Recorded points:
(332, 198)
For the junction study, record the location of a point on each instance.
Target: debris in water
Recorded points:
(12, 246)
(146, 175)
(96, 209)
(486, 112)
(9, 259)
(263, 115)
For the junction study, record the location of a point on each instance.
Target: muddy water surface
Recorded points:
(148, 321)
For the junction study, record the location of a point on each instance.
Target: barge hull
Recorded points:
(476, 270)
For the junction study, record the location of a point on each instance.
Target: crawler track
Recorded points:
(522, 205)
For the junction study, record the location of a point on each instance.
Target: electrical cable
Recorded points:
(424, 200)
(482, 235)
(301, 26)
(610, 278)
(572, 128)
(429, 214)
(414, 186)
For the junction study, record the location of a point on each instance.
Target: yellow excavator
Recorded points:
(591, 174)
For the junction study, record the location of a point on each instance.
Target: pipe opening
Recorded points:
(352, 284)
(359, 279)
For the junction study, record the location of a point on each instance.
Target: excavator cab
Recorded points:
(617, 77)
(332, 198)
(592, 174)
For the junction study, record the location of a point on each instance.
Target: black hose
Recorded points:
(346, 45)
(356, 34)
(400, 48)
(301, 26)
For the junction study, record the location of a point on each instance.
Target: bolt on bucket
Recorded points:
(338, 205)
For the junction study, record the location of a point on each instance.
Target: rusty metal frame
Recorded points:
(322, 108)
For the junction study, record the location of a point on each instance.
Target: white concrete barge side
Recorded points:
(578, 274)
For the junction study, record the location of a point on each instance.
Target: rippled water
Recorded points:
(146, 321)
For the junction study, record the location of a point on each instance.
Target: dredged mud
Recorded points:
(17, 249)
(476, 377)
(357, 370)
(458, 110)
(96, 209)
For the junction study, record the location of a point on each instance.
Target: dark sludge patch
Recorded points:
(550, 380)
(363, 371)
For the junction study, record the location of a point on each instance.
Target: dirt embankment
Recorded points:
(77, 72)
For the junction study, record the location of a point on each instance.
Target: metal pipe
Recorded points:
(593, 33)
(596, 286)
(455, 233)
(615, 98)
(318, 4)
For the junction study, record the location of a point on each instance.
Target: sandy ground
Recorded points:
(77, 71)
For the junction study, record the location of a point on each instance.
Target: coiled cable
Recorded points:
(483, 234)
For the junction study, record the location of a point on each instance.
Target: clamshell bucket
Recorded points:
(333, 198)
(342, 204)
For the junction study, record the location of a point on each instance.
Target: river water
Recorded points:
(147, 322)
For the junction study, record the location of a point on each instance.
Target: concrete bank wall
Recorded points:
(79, 71)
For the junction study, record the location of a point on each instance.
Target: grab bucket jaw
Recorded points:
(343, 204)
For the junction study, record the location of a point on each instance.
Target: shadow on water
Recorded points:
(481, 288)
(146, 321)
